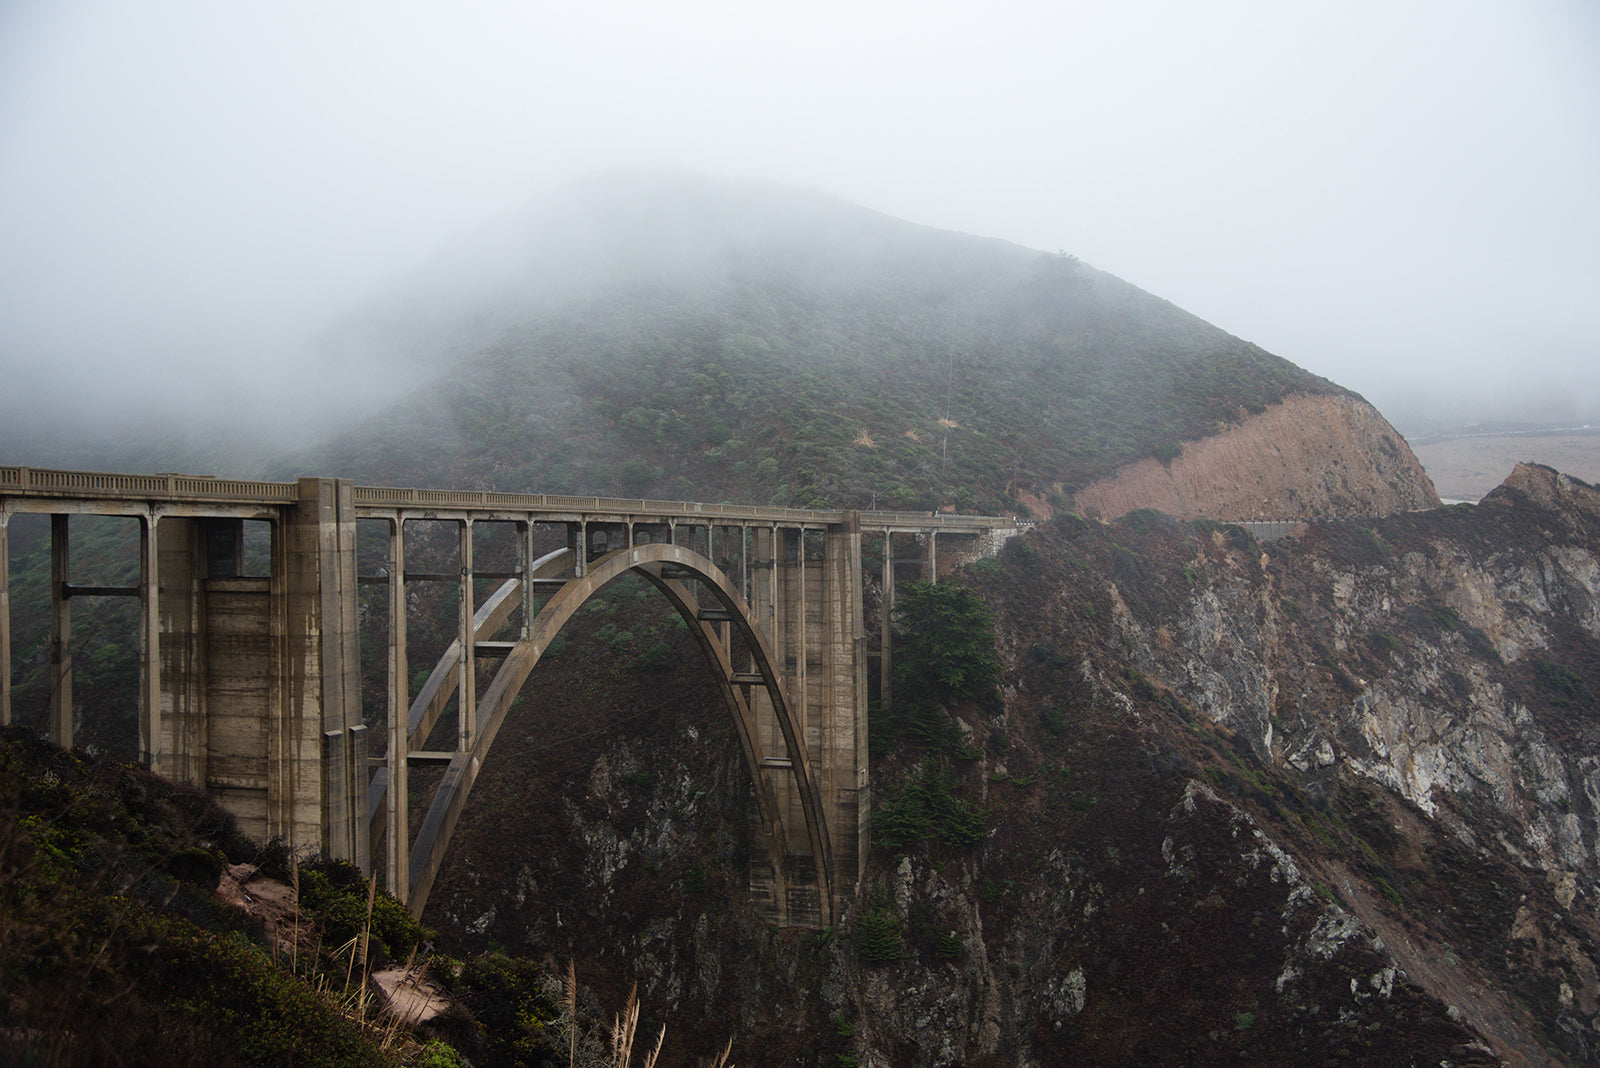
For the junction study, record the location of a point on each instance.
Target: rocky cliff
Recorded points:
(1446, 666)
(1323, 455)
(1332, 799)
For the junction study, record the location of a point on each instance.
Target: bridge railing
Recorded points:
(1269, 529)
(37, 482)
(926, 520)
(31, 481)
(398, 497)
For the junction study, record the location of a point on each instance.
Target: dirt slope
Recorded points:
(1307, 456)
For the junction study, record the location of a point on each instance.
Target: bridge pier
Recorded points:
(842, 701)
(5, 618)
(61, 707)
(255, 687)
(397, 831)
(807, 596)
(323, 660)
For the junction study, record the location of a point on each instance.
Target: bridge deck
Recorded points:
(93, 489)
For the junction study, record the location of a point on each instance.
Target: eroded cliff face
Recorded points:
(1328, 455)
(1446, 667)
(1441, 655)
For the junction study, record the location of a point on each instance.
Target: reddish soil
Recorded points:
(1308, 456)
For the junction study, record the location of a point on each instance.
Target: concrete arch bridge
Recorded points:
(250, 642)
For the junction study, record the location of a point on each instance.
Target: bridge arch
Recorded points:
(670, 569)
(254, 686)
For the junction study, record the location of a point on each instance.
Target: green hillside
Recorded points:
(680, 338)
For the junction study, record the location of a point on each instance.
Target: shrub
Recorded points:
(515, 1006)
(1560, 684)
(437, 1054)
(945, 647)
(656, 659)
(1053, 719)
(924, 809)
(1383, 643)
(878, 936)
(944, 652)
(271, 1016)
(335, 894)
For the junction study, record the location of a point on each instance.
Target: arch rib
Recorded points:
(440, 686)
(650, 561)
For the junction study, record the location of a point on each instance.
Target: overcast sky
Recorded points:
(1403, 196)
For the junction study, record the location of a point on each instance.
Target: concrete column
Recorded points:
(61, 720)
(792, 644)
(317, 793)
(744, 562)
(765, 890)
(525, 559)
(801, 643)
(467, 685)
(764, 602)
(843, 771)
(725, 631)
(346, 693)
(5, 623)
(886, 628)
(151, 743)
(796, 634)
(397, 828)
(785, 598)
(182, 653)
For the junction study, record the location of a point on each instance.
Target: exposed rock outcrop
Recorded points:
(1446, 666)
(1325, 455)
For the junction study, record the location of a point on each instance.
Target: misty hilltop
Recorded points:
(668, 336)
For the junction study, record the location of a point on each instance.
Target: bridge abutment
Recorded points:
(322, 758)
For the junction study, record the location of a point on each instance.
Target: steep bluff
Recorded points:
(1322, 455)
(1445, 668)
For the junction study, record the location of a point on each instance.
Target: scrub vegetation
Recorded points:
(117, 948)
(841, 360)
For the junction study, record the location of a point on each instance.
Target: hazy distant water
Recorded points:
(1466, 468)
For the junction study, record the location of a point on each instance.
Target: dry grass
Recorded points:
(357, 1001)
(618, 1050)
